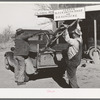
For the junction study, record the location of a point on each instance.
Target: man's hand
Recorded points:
(79, 20)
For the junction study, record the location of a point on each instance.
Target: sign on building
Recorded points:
(69, 14)
(44, 12)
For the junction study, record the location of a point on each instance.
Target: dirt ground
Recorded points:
(88, 77)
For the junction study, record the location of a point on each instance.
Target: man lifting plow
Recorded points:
(73, 54)
(58, 33)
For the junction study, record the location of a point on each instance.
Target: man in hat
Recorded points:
(21, 53)
(73, 54)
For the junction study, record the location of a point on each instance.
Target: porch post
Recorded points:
(95, 36)
(95, 53)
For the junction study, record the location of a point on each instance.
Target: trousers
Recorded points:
(20, 73)
(71, 73)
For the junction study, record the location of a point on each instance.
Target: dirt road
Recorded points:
(88, 77)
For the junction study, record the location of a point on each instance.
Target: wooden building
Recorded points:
(92, 12)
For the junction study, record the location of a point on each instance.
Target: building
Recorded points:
(92, 12)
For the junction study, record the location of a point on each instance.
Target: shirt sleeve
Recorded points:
(69, 40)
(25, 36)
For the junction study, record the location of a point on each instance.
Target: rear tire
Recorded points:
(92, 50)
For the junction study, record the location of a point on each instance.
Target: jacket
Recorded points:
(21, 47)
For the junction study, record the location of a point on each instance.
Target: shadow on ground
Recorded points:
(55, 73)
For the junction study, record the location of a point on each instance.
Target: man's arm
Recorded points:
(69, 40)
(25, 35)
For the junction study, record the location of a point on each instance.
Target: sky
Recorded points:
(21, 15)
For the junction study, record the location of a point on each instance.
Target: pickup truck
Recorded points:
(41, 59)
(38, 41)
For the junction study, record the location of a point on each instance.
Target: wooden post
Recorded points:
(95, 53)
(95, 36)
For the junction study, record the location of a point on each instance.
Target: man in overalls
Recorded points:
(73, 54)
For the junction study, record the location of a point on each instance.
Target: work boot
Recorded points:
(21, 83)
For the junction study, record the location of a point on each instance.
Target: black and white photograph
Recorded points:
(49, 45)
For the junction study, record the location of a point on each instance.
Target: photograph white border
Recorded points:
(48, 92)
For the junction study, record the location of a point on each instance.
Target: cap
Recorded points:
(19, 29)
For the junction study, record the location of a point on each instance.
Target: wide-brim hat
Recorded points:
(77, 31)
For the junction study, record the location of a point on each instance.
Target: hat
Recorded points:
(19, 29)
(77, 31)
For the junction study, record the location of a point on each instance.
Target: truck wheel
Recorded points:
(92, 50)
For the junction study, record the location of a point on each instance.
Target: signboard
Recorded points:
(69, 14)
(44, 12)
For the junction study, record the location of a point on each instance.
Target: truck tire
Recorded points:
(92, 50)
